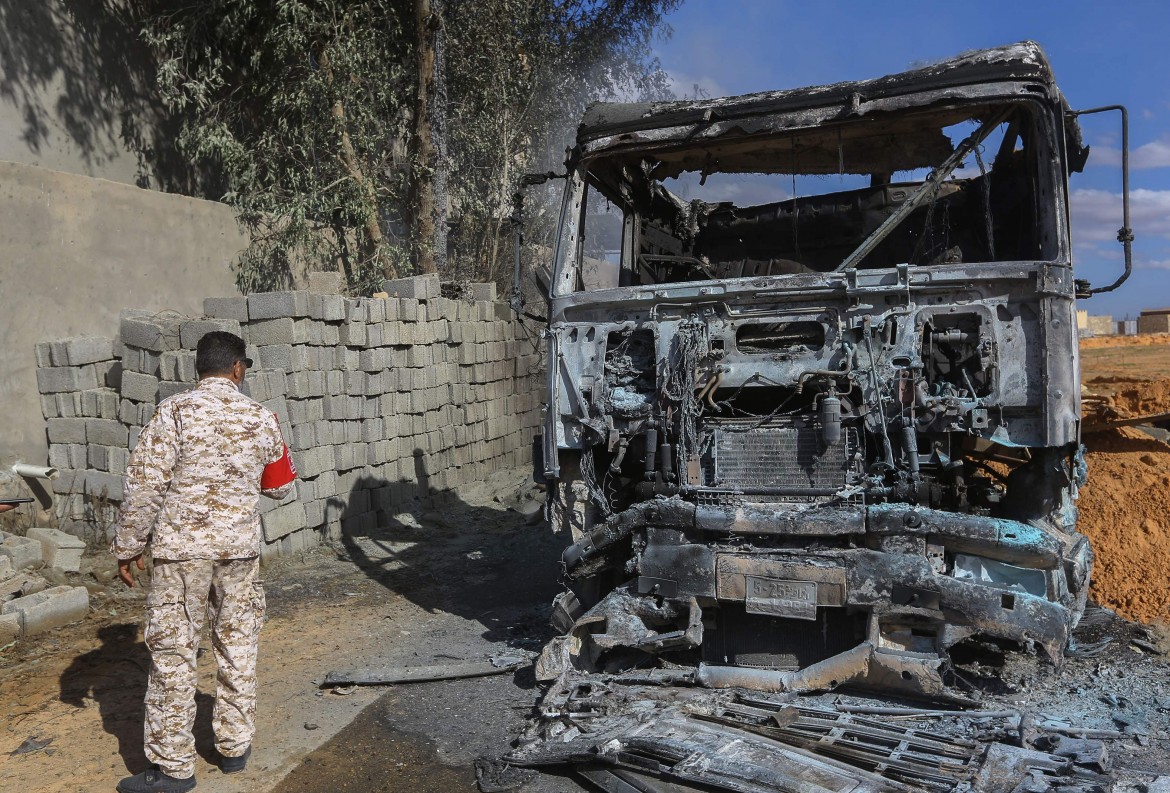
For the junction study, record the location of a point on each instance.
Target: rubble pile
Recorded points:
(35, 594)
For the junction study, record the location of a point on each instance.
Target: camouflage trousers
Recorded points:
(182, 593)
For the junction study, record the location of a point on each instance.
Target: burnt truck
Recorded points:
(813, 411)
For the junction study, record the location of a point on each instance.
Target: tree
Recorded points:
(526, 71)
(333, 130)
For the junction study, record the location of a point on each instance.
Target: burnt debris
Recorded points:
(813, 414)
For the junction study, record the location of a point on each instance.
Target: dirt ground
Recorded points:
(1124, 506)
(473, 578)
(469, 580)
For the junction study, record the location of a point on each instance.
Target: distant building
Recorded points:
(1090, 325)
(1154, 320)
(1127, 327)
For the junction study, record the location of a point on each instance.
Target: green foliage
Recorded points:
(304, 110)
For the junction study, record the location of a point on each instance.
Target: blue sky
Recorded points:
(1101, 54)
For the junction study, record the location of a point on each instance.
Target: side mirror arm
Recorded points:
(1125, 233)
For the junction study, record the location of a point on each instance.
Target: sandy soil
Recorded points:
(469, 581)
(1124, 506)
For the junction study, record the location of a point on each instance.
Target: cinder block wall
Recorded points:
(384, 402)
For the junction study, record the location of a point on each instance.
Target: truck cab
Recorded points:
(813, 407)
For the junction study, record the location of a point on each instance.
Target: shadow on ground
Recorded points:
(114, 677)
(445, 554)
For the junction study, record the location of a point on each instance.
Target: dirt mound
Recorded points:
(1124, 510)
(1144, 340)
(1144, 398)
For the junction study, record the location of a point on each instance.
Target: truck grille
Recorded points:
(786, 453)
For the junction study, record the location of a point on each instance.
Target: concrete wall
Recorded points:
(1100, 325)
(383, 401)
(1153, 323)
(77, 94)
(74, 252)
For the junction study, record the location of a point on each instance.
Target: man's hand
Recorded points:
(6, 507)
(126, 571)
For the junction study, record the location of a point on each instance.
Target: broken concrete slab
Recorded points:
(22, 551)
(52, 608)
(10, 628)
(60, 550)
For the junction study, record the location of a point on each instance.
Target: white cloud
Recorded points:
(1096, 214)
(1155, 154)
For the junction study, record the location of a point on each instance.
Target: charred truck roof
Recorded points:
(813, 411)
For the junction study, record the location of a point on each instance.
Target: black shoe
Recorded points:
(155, 780)
(234, 765)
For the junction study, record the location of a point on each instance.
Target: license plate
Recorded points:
(780, 598)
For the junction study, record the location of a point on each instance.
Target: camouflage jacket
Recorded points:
(193, 482)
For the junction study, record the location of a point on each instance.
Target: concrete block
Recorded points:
(314, 513)
(21, 551)
(282, 330)
(99, 403)
(270, 305)
(169, 364)
(49, 406)
(276, 356)
(57, 379)
(59, 549)
(66, 430)
(67, 455)
(283, 520)
(143, 361)
(157, 334)
(44, 353)
(118, 460)
(323, 283)
(418, 287)
(168, 389)
(264, 384)
(52, 608)
(104, 484)
(376, 308)
(82, 350)
(226, 308)
(356, 310)
(10, 628)
(99, 457)
(139, 387)
(192, 331)
(327, 308)
(106, 432)
(352, 334)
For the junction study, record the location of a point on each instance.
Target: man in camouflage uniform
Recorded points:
(191, 493)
